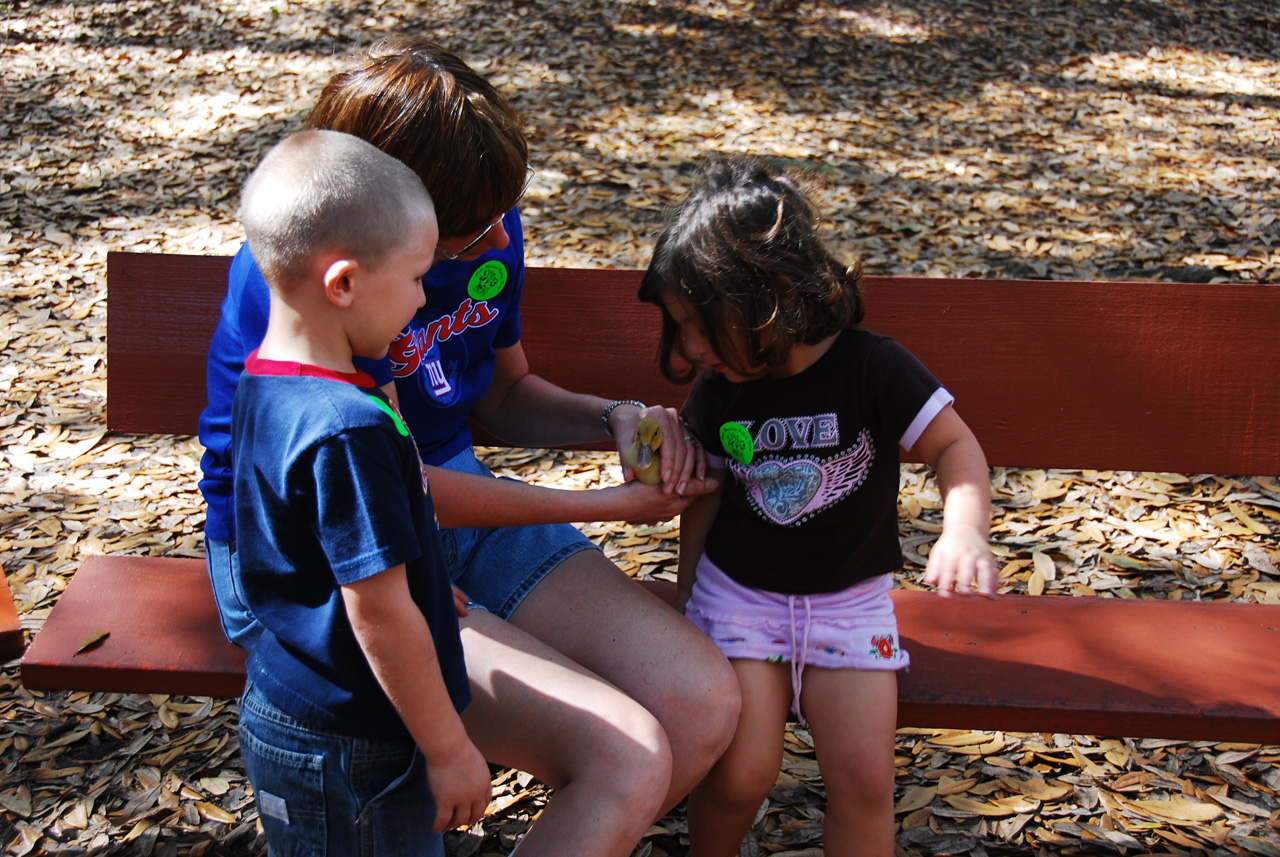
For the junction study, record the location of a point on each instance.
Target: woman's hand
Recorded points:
(637, 503)
(683, 460)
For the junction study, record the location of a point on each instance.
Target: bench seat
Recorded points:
(1094, 666)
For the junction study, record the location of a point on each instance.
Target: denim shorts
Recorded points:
(238, 623)
(497, 568)
(324, 795)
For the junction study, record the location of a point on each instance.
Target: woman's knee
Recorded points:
(631, 764)
(707, 714)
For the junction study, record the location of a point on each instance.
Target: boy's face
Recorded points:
(390, 292)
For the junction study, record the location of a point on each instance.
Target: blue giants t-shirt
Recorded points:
(442, 363)
(330, 492)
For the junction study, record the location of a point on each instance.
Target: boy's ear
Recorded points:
(339, 277)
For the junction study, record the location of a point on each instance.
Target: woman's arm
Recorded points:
(961, 558)
(396, 641)
(468, 500)
(527, 410)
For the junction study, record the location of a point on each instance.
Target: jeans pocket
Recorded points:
(449, 547)
(289, 788)
(397, 810)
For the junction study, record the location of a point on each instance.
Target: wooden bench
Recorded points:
(1131, 376)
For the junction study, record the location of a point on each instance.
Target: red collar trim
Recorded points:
(256, 365)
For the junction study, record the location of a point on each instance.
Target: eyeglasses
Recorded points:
(530, 172)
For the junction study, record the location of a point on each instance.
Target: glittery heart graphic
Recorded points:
(784, 490)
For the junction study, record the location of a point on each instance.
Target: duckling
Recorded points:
(642, 455)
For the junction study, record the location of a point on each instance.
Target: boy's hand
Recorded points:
(961, 560)
(461, 787)
(460, 602)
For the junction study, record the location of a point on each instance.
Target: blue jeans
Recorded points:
(326, 795)
(238, 623)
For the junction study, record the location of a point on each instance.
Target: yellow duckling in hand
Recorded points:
(642, 456)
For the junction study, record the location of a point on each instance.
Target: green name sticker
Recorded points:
(391, 412)
(487, 281)
(736, 441)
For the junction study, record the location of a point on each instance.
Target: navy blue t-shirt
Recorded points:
(329, 491)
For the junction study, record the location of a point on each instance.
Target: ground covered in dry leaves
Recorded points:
(1045, 138)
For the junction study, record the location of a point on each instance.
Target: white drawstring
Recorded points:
(799, 656)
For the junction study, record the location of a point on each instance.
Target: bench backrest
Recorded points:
(1100, 375)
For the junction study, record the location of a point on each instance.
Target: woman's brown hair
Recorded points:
(424, 106)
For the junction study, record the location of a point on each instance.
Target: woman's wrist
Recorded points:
(614, 405)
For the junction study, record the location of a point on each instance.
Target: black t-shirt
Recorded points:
(811, 502)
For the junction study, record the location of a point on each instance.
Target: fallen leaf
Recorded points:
(92, 641)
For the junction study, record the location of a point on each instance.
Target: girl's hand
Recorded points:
(683, 459)
(961, 560)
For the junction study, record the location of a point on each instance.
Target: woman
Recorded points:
(578, 676)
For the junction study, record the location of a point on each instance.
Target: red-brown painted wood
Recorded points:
(1133, 376)
(10, 627)
(164, 632)
(1096, 666)
(1152, 376)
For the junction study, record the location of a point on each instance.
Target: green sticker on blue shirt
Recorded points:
(736, 440)
(391, 412)
(487, 281)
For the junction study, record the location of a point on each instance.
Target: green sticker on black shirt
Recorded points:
(736, 441)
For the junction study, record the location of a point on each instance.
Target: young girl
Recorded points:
(787, 567)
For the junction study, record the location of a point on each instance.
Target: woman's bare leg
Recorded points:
(595, 615)
(604, 754)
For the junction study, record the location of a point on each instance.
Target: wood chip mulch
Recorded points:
(1078, 139)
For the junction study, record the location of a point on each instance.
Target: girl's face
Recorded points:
(695, 344)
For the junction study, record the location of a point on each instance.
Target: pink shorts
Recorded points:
(851, 629)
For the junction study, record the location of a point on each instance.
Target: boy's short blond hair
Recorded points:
(319, 192)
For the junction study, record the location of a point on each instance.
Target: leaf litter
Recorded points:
(1108, 139)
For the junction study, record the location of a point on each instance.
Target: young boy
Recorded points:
(349, 724)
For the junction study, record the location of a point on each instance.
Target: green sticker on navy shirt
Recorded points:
(736, 441)
(487, 281)
(391, 412)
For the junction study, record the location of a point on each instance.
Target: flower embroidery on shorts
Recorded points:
(777, 659)
(883, 648)
(830, 650)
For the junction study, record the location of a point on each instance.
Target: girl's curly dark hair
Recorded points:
(743, 251)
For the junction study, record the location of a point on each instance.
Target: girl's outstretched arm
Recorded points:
(961, 559)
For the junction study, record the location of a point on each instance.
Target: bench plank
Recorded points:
(1099, 375)
(10, 626)
(165, 636)
(1096, 666)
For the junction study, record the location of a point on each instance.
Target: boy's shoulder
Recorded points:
(318, 402)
